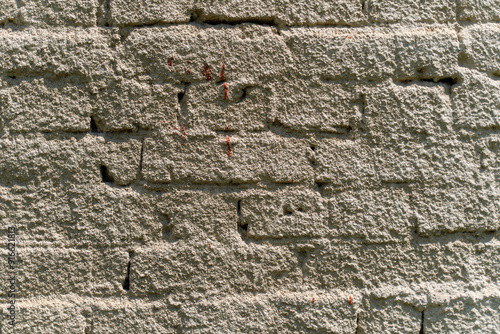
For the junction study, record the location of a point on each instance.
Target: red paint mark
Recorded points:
(189, 61)
(225, 90)
(188, 71)
(228, 146)
(207, 72)
(227, 127)
(313, 300)
(170, 62)
(350, 300)
(222, 72)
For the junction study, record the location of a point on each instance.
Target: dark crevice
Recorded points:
(244, 94)
(141, 158)
(106, 176)
(126, 281)
(287, 210)
(167, 228)
(422, 324)
(93, 126)
(357, 324)
(107, 12)
(495, 75)
(242, 227)
(364, 8)
(448, 82)
(302, 256)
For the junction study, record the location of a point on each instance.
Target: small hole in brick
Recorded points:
(93, 125)
(287, 211)
(180, 96)
(313, 148)
(244, 227)
(106, 177)
(126, 281)
(12, 76)
(300, 210)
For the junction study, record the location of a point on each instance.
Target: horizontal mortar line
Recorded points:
(487, 291)
(405, 26)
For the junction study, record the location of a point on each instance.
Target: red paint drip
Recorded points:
(228, 146)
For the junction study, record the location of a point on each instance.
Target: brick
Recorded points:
(192, 47)
(36, 159)
(45, 105)
(290, 213)
(125, 105)
(476, 102)
(8, 10)
(247, 106)
(204, 159)
(306, 105)
(48, 316)
(426, 53)
(479, 10)
(411, 111)
(482, 48)
(282, 12)
(375, 215)
(456, 209)
(68, 271)
(465, 315)
(447, 162)
(435, 11)
(83, 216)
(344, 163)
(349, 264)
(57, 52)
(130, 12)
(200, 215)
(373, 55)
(389, 315)
(219, 271)
(58, 13)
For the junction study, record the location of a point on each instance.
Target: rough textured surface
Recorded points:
(264, 166)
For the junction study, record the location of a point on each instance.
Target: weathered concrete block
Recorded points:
(345, 163)
(69, 271)
(414, 111)
(209, 216)
(38, 104)
(476, 102)
(306, 105)
(375, 54)
(58, 13)
(8, 10)
(48, 316)
(205, 159)
(477, 314)
(426, 53)
(279, 12)
(247, 107)
(407, 11)
(479, 10)
(219, 270)
(57, 52)
(448, 162)
(191, 53)
(131, 12)
(36, 159)
(288, 213)
(375, 215)
(389, 316)
(125, 105)
(482, 48)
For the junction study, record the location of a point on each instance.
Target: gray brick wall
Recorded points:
(341, 176)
